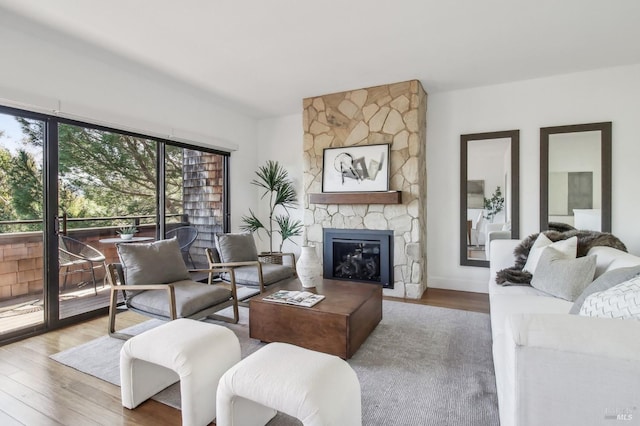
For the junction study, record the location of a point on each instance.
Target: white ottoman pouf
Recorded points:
(316, 388)
(193, 352)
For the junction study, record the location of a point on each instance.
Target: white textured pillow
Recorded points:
(621, 301)
(568, 248)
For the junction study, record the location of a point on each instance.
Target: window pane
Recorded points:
(21, 224)
(107, 182)
(194, 186)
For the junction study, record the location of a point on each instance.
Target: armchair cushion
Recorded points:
(191, 297)
(159, 262)
(271, 273)
(236, 247)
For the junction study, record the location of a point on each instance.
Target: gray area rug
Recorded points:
(422, 365)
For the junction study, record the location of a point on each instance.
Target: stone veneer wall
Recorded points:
(394, 114)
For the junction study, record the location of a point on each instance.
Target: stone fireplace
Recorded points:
(393, 114)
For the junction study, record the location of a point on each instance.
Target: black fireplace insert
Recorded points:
(359, 255)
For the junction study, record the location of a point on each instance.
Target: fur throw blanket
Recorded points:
(586, 239)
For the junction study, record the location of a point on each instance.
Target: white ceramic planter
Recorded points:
(308, 267)
(126, 236)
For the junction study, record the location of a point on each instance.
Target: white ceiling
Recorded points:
(265, 56)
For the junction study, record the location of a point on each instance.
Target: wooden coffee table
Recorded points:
(337, 325)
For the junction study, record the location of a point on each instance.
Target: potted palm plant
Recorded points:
(274, 181)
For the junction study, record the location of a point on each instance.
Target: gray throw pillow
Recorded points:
(604, 282)
(562, 277)
(236, 247)
(159, 262)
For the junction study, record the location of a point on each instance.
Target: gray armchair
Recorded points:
(238, 252)
(155, 282)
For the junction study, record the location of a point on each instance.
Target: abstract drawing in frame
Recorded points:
(362, 168)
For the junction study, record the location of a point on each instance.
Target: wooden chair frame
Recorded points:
(116, 286)
(256, 263)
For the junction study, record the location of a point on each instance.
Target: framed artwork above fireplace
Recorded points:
(363, 168)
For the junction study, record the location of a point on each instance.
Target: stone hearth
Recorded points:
(394, 114)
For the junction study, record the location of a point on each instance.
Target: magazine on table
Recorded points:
(293, 297)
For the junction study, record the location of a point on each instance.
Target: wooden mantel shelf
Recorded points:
(388, 197)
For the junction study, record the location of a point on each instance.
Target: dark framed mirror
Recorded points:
(489, 193)
(575, 177)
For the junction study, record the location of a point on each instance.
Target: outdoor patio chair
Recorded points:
(76, 254)
(156, 283)
(186, 236)
(238, 252)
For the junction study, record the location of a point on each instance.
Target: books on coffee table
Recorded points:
(292, 297)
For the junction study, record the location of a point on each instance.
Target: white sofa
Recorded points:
(554, 368)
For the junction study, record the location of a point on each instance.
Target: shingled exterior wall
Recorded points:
(203, 198)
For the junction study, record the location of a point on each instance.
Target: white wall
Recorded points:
(280, 139)
(48, 72)
(601, 95)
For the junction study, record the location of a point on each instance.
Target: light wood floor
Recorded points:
(35, 390)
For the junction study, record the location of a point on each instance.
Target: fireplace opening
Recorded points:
(358, 255)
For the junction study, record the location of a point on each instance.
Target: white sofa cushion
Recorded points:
(514, 290)
(610, 258)
(504, 305)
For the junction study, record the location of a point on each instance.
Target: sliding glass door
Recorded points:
(22, 296)
(67, 190)
(107, 181)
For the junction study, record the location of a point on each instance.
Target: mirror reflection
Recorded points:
(488, 190)
(574, 166)
(577, 192)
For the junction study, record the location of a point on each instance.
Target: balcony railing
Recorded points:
(67, 223)
(22, 253)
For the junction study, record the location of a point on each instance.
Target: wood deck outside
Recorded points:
(72, 302)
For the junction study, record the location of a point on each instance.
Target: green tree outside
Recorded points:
(101, 174)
